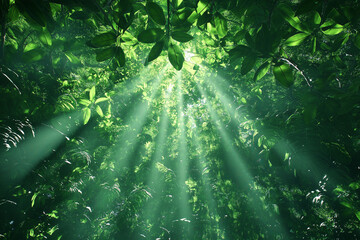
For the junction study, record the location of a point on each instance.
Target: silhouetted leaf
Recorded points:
(155, 12)
(120, 56)
(104, 54)
(248, 63)
(155, 51)
(151, 35)
(181, 36)
(103, 40)
(176, 57)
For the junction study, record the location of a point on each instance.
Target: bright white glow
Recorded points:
(188, 55)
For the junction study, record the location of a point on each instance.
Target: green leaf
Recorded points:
(92, 93)
(81, 15)
(45, 38)
(84, 102)
(317, 18)
(103, 40)
(181, 36)
(176, 57)
(346, 204)
(314, 45)
(283, 75)
(155, 51)
(357, 40)
(358, 214)
(102, 99)
(247, 64)
(155, 12)
(151, 35)
(296, 39)
(86, 115)
(203, 19)
(221, 25)
(33, 199)
(120, 56)
(72, 58)
(31, 233)
(104, 54)
(331, 28)
(33, 55)
(99, 111)
(261, 71)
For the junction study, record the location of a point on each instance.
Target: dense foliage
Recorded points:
(180, 119)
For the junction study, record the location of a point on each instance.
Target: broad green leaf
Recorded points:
(31, 233)
(103, 40)
(120, 56)
(181, 36)
(45, 38)
(203, 19)
(346, 204)
(104, 54)
(176, 57)
(357, 40)
(331, 28)
(283, 75)
(202, 6)
(151, 35)
(99, 111)
(155, 51)
(247, 64)
(155, 12)
(354, 185)
(33, 55)
(221, 25)
(72, 58)
(84, 102)
(296, 39)
(317, 18)
(92, 93)
(261, 71)
(86, 115)
(102, 99)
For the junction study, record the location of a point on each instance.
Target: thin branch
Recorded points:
(298, 69)
(8, 78)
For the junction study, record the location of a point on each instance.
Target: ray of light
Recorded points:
(182, 166)
(32, 151)
(240, 172)
(216, 227)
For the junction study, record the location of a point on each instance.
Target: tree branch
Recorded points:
(288, 61)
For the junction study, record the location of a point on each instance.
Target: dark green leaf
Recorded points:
(104, 54)
(155, 12)
(155, 51)
(151, 35)
(261, 71)
(357, 40)
(81, 15)
(247, 64)
(103, 40)
(120, 56)
(296, 39)
(176, 57)
(203, 19)
(33, 55)
(181, 36)
(283, 75)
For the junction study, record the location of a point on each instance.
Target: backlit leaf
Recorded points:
(92, 93)
(221, 25)
(261, 71)
(99, 111)
(296, 39)
(283, 75)
(84, 102)
(86, 115)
